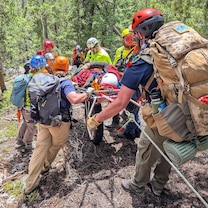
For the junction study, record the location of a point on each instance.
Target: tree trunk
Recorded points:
(2, 83)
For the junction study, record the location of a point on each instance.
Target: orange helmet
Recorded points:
(61, 63)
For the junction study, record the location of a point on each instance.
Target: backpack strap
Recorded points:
(146, 56)
(145, 89)
(121, 55)
(178, 72)
(61, 79)
(129, 53)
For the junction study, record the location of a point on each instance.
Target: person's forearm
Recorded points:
(117, 105)
(78, 98)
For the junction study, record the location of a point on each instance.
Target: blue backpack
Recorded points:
(18, 91)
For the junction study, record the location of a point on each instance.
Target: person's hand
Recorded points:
(89, 91)
(86, 66)
(92, 123)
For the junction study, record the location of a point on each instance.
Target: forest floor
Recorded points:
(88, 176)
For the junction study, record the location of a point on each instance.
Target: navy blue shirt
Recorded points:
(138, 74)
(66, 88)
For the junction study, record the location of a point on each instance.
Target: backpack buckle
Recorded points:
(56, 121)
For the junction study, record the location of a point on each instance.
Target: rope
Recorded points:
(161, 152)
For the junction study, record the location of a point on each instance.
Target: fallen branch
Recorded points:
(4, 163)
(13, 177)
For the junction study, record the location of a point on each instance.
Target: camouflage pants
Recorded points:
(146, 157)
(49, 142)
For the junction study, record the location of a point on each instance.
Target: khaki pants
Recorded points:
(49, 142)
(27, 128)
(146, 157)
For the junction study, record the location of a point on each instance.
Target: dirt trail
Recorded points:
(86, 176)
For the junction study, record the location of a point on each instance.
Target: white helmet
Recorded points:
(49, 56)
(109, 78)
(91, 42)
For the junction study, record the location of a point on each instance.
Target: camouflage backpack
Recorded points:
(180, 57)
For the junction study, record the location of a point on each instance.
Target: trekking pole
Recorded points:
(160, 151)
(172, 165)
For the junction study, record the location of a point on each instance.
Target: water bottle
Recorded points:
(158, 104)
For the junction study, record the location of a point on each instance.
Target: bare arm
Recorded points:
(75, 98)
(117, 105)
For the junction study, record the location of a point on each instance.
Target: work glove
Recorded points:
(86, 66)
(89, 91)
(92, 124)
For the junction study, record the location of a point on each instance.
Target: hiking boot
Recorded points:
(124, 135)
(29, 146)
(128, 186)
(19, 143)
(29, 191)
(157, 191)
(114, 124)
(45, 170)
(138, 132)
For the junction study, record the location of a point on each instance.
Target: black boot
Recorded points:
(115, 122)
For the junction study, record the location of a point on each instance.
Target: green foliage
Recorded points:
(31, 197)
(10, 129)
(5, 104)
(14, 188)
(5, 149)
(26, 24)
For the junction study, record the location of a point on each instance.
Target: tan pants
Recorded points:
(27, 128)
(146, 157)
(49, 142)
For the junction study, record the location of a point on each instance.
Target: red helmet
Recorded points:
(48, 43)
(146, 21)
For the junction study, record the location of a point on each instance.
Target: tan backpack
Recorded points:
(180, 57)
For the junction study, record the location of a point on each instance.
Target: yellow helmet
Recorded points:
(125, 32)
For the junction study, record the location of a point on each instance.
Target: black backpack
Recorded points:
(45, 98)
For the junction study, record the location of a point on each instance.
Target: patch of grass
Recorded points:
(9, 130)
(2, 137)
(5, 149)
(31, 197)
(5, 104)
(14, 188)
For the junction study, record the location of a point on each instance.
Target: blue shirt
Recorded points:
(66, 88)
(138, 74)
